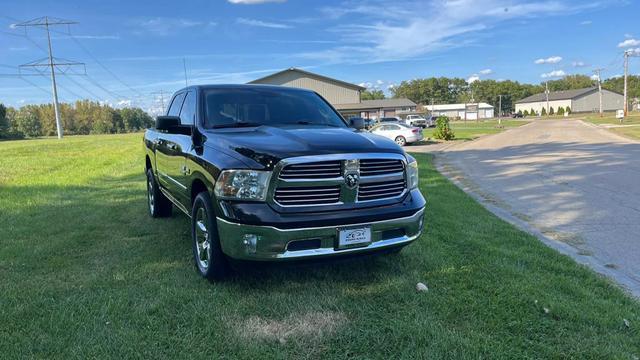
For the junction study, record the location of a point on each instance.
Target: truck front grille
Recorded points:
(371, 167)
(381, 190)
(313, 170)
(319, 182)
(316, 195)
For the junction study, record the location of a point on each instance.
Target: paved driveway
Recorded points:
(575, 184)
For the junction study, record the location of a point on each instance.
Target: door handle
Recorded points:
(172, 146)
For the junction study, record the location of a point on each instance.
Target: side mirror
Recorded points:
(167, 123)
(357, 123)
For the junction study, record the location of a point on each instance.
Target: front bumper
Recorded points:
(269, 243)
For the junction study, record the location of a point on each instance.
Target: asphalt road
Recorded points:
(574, 185)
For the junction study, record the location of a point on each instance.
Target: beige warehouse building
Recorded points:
(344, 96)
(579, 100)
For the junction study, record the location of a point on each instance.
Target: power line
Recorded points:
(116, 77)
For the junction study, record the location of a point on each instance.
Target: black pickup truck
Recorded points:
(270, 173)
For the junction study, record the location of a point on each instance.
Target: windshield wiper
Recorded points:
(237, 125)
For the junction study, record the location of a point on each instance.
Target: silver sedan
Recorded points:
(400, 133)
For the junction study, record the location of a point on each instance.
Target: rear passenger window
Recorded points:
(176, 104)
(187, 114)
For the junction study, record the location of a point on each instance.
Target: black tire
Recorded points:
(157, 203)
(208, 257)
(400, 140)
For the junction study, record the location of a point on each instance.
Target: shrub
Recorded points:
(543, 112)
(551, 111)
(443, 130)
(532, 112)
(519, 112)
(526, 113)
(27, 122)
(560, 110)
(568, 111)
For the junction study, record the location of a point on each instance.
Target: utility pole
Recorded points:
(161, 94)
(597, 73)
(626, 74)
(52, 63)
(500, 109)
(546, 92)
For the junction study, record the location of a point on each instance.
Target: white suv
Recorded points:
(417, 120)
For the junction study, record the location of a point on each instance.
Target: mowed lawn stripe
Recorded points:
(87, 273)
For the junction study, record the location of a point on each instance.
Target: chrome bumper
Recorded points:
(267, 243)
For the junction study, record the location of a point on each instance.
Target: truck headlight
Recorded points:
(412, 174)
(249, 185)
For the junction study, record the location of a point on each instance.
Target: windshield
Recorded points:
(255, 107)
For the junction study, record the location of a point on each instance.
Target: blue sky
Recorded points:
(134, 49)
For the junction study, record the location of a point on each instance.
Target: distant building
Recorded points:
(579, 100)
(344, 96)
(470, 111)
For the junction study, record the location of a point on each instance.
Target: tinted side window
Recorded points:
(176, 104)
(187, 114)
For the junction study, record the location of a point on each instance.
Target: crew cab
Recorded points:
(418, 120)
(270, 173)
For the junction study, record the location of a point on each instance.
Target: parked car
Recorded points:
(402, 134)
(271, 173)
(416, 120)
(517, 115)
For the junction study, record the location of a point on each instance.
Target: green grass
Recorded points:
(471, 129)
(86, 273)
(633, 119)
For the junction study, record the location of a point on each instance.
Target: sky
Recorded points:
(135, 52)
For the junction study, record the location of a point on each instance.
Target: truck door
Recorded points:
(169, 154)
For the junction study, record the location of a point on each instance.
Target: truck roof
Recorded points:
(243, 86)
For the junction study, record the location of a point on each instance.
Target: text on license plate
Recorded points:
(348, 237)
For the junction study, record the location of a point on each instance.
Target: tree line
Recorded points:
(81, 118)
(445, 90)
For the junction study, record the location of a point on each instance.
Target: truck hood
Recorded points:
(267, 145)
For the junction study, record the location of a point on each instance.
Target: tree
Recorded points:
(560, 110)
(568, 111)
(27, 122)
(372, 95)
(533, 112)
(519, 112)
(443, 130)
(526, 113)
(543, 112)
(4, 122)
(571, 82)
(551, 111)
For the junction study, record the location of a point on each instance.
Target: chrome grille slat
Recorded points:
(296, 196)
(380, 166)
(312, 170)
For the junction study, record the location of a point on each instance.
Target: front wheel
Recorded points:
(400, 140)
(210, 261)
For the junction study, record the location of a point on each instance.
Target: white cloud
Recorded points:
(586, 22)
(473, 78)
(379, 82)
(486, 72)
(97, 37)
(629, 43)
(18, 48)
(594, 77)
(578, 64)
(391, 86)
(549, 60)
(635, 52)
(253, 2)
(555, 73)
(164, 26)
(260, 23)
(387, 30)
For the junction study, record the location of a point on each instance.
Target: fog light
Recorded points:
(421, 223)
(250, 242)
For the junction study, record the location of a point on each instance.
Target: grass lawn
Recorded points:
(471, 129)
(86, 273)
(633, 119)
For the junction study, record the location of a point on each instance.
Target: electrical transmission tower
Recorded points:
(51, 62)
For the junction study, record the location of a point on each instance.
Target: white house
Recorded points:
(469, 111)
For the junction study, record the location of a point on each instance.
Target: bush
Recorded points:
(27, 122)
(568, 111)
(519, 112)
(560, 110)
(551, 111)
(532, 112)
(543, 112)
(443, 130)
(526, 113)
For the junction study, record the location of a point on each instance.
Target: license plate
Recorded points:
(354, 237)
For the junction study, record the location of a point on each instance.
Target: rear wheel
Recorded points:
(400, 140)
(209, 259)
(157, 203)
